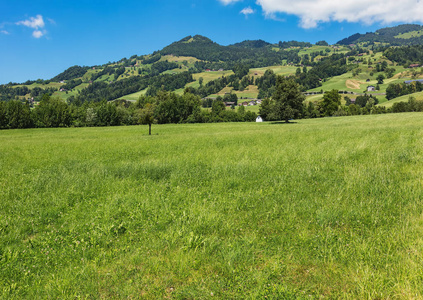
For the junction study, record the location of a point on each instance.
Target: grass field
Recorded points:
(323, 208)
(278, 70)
(134, 96)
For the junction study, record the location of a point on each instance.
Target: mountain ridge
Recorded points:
(389, 35)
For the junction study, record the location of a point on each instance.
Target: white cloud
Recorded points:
(247, 11)
(313, 12)
(4, 32)
(37, 34)
(226, 2)
(36, 23)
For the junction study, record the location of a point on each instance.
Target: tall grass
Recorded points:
(321, 208)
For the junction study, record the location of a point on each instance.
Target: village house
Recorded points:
(259, 119)
(371, 88)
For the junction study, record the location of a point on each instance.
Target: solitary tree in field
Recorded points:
(146, 116)
(287, 99)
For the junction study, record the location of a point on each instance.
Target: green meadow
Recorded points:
(322, 208)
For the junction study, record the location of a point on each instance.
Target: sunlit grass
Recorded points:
(320, 208)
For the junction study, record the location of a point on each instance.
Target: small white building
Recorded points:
(259, 119)
(371, 88)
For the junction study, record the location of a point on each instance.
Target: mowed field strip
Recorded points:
(328, 207)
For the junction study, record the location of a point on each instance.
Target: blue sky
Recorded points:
(39, 39)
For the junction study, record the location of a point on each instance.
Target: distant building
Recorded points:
(371, 88)
(259, 119)
(414, 66)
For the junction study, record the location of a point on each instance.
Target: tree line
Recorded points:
(165, 107)
(395, 90)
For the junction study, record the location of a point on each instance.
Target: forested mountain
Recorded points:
(208, 69)
(254, 53)
(402, 35)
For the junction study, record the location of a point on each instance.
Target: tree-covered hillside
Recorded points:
(254, 53)
(246, 69)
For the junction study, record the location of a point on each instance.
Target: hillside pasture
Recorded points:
(278, 70)
(409, 35)
(134, 96)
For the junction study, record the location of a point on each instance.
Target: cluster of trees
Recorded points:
(405, 55)
(106, 71)
(239, 81)
(151, 60)
(162, 66)
(266, 84)
(71, 84)
(395, 90)
(164, 108)
(286, 45)
(363, 100)
(8, 92)
(98, 91)
(412, 105)
(71, 73)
